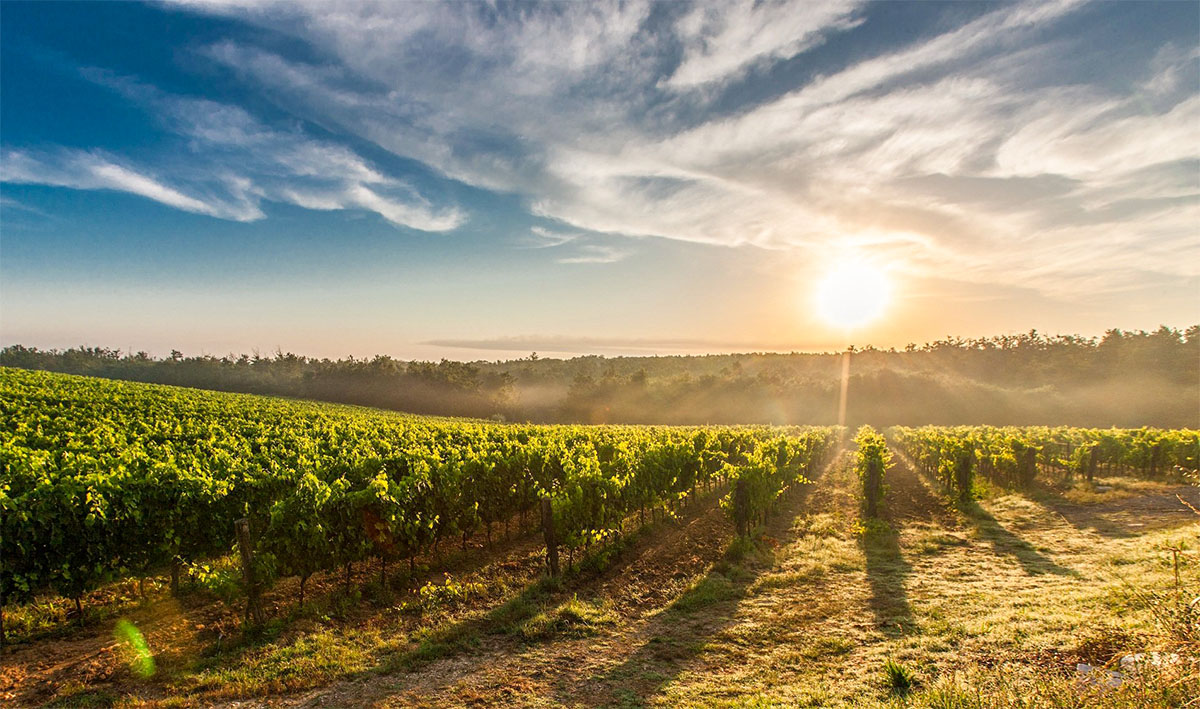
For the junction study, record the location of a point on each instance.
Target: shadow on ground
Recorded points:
(986, 526)
(681, 633)
(1005, 543)
(1125, 517)
(887, 575)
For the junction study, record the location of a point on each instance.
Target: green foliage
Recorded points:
(449, 594)
(772, 467)
(108, 479)
(1015, 457)
(871, 462)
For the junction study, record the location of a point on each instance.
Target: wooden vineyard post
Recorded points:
(1091, 464)
(253, 610)
(874, 486)
(741, 508)
(1028, 462)
(551, 541)
(962, 475)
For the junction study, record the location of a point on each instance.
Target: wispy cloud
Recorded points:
(543, 238)
(981, 145)
(723, 40)
(10, 203)
(95, 171)
(936, 143)
(597, 253)
(583, 249)
(233, 163)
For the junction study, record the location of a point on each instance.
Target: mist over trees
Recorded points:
(1125, 378)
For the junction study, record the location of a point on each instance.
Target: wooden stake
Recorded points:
(741, 508)
(253, 611)
(551, 541)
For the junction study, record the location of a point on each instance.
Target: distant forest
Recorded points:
(1124, 378)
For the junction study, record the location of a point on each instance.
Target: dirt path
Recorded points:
(601, 668)
(684, 622)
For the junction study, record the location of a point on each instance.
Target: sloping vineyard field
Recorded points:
(104, 479)
(103, 483)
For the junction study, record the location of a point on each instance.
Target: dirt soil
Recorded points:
(181, 630)
(622, 663)
(590, 671)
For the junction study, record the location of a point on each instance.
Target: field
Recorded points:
(402, 561)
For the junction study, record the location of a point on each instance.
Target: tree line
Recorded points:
(1124, 378)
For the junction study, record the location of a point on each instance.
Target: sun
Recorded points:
(853, 294)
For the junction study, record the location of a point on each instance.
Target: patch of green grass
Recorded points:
(313, 659)
(711, 589)
(783, 579)
(574, 618)
(78, 697)
(899, 678)
(822, 524)
(825, 647)
(937, 542)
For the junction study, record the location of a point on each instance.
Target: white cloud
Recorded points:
(546, 238)
(9, 203)
(234, 163)
(596, 253)
(969, 152)
(402, 213)
(724, 39)
(95, 171)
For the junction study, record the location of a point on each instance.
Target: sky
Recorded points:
(482, 180)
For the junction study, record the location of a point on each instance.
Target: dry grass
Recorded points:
(932, 606)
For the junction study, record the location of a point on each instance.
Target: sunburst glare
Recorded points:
(852, 294)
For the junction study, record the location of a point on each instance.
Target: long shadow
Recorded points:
(908, 498)
(680, 634)
(1084, 519)
(1006, 543)
(1003, 542)
(1123, 517)
(887, 575)
(501, 625)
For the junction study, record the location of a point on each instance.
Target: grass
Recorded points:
(1000, 601)
(1110, 489)
(899, 679)
(987, 605)
(573, 618)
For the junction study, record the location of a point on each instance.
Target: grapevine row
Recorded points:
(1016, 457)
(103, 479)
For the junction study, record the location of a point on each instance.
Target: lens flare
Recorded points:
(134, 648)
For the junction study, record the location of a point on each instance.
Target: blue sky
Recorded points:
(482, 180)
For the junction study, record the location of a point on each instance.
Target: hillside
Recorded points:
(1126, 379)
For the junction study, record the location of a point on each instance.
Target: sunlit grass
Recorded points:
(1002, 603)
(990, 604)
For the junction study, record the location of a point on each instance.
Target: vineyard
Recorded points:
(107, 483)
(1016, 457)
(105, 480)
